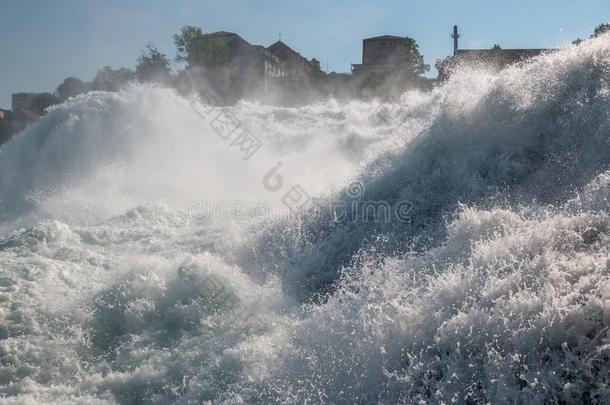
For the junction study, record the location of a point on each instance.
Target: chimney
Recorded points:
(456, 37)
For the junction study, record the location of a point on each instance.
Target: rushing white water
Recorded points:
(125, 280)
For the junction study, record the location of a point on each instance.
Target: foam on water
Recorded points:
(497, 288)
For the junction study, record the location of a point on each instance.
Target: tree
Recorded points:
(412, 62)
(153, 66)
(71, 87)
(601, 30)
(42, 102)
(109, 79)
(197, 49)
(185, 41)
(445, 67)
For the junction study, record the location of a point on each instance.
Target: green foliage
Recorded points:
(412, 62)
(185, 41)
(601, 30)
(71, 87)
(109, 79)
(197, 49)
(153, 66)
(445, 67)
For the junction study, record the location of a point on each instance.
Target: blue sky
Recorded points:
(42, 42)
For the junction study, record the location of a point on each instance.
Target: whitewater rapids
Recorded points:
(119, 285)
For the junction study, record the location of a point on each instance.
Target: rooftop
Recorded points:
(384, 37)
(280, 46)
(524, 52)
(224, 36)
(281, 50)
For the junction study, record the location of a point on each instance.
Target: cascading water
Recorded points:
(146, 256)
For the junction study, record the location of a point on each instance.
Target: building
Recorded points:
(6, 115)
(255, 65)
(28, 107)
(24, 101)
(293, 65)
(338, 85)
(496, 57)
(7, 125)
(381, 55)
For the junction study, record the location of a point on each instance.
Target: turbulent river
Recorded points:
(443, 247)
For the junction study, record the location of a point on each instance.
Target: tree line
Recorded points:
(203, 56)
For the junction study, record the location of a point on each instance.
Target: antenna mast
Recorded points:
(456, 37)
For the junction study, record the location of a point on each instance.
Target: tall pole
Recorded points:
(456, 37)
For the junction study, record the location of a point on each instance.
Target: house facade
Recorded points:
(495, 58)
(293, 65)
(23, 101)
(381, 55)
(254, 64)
